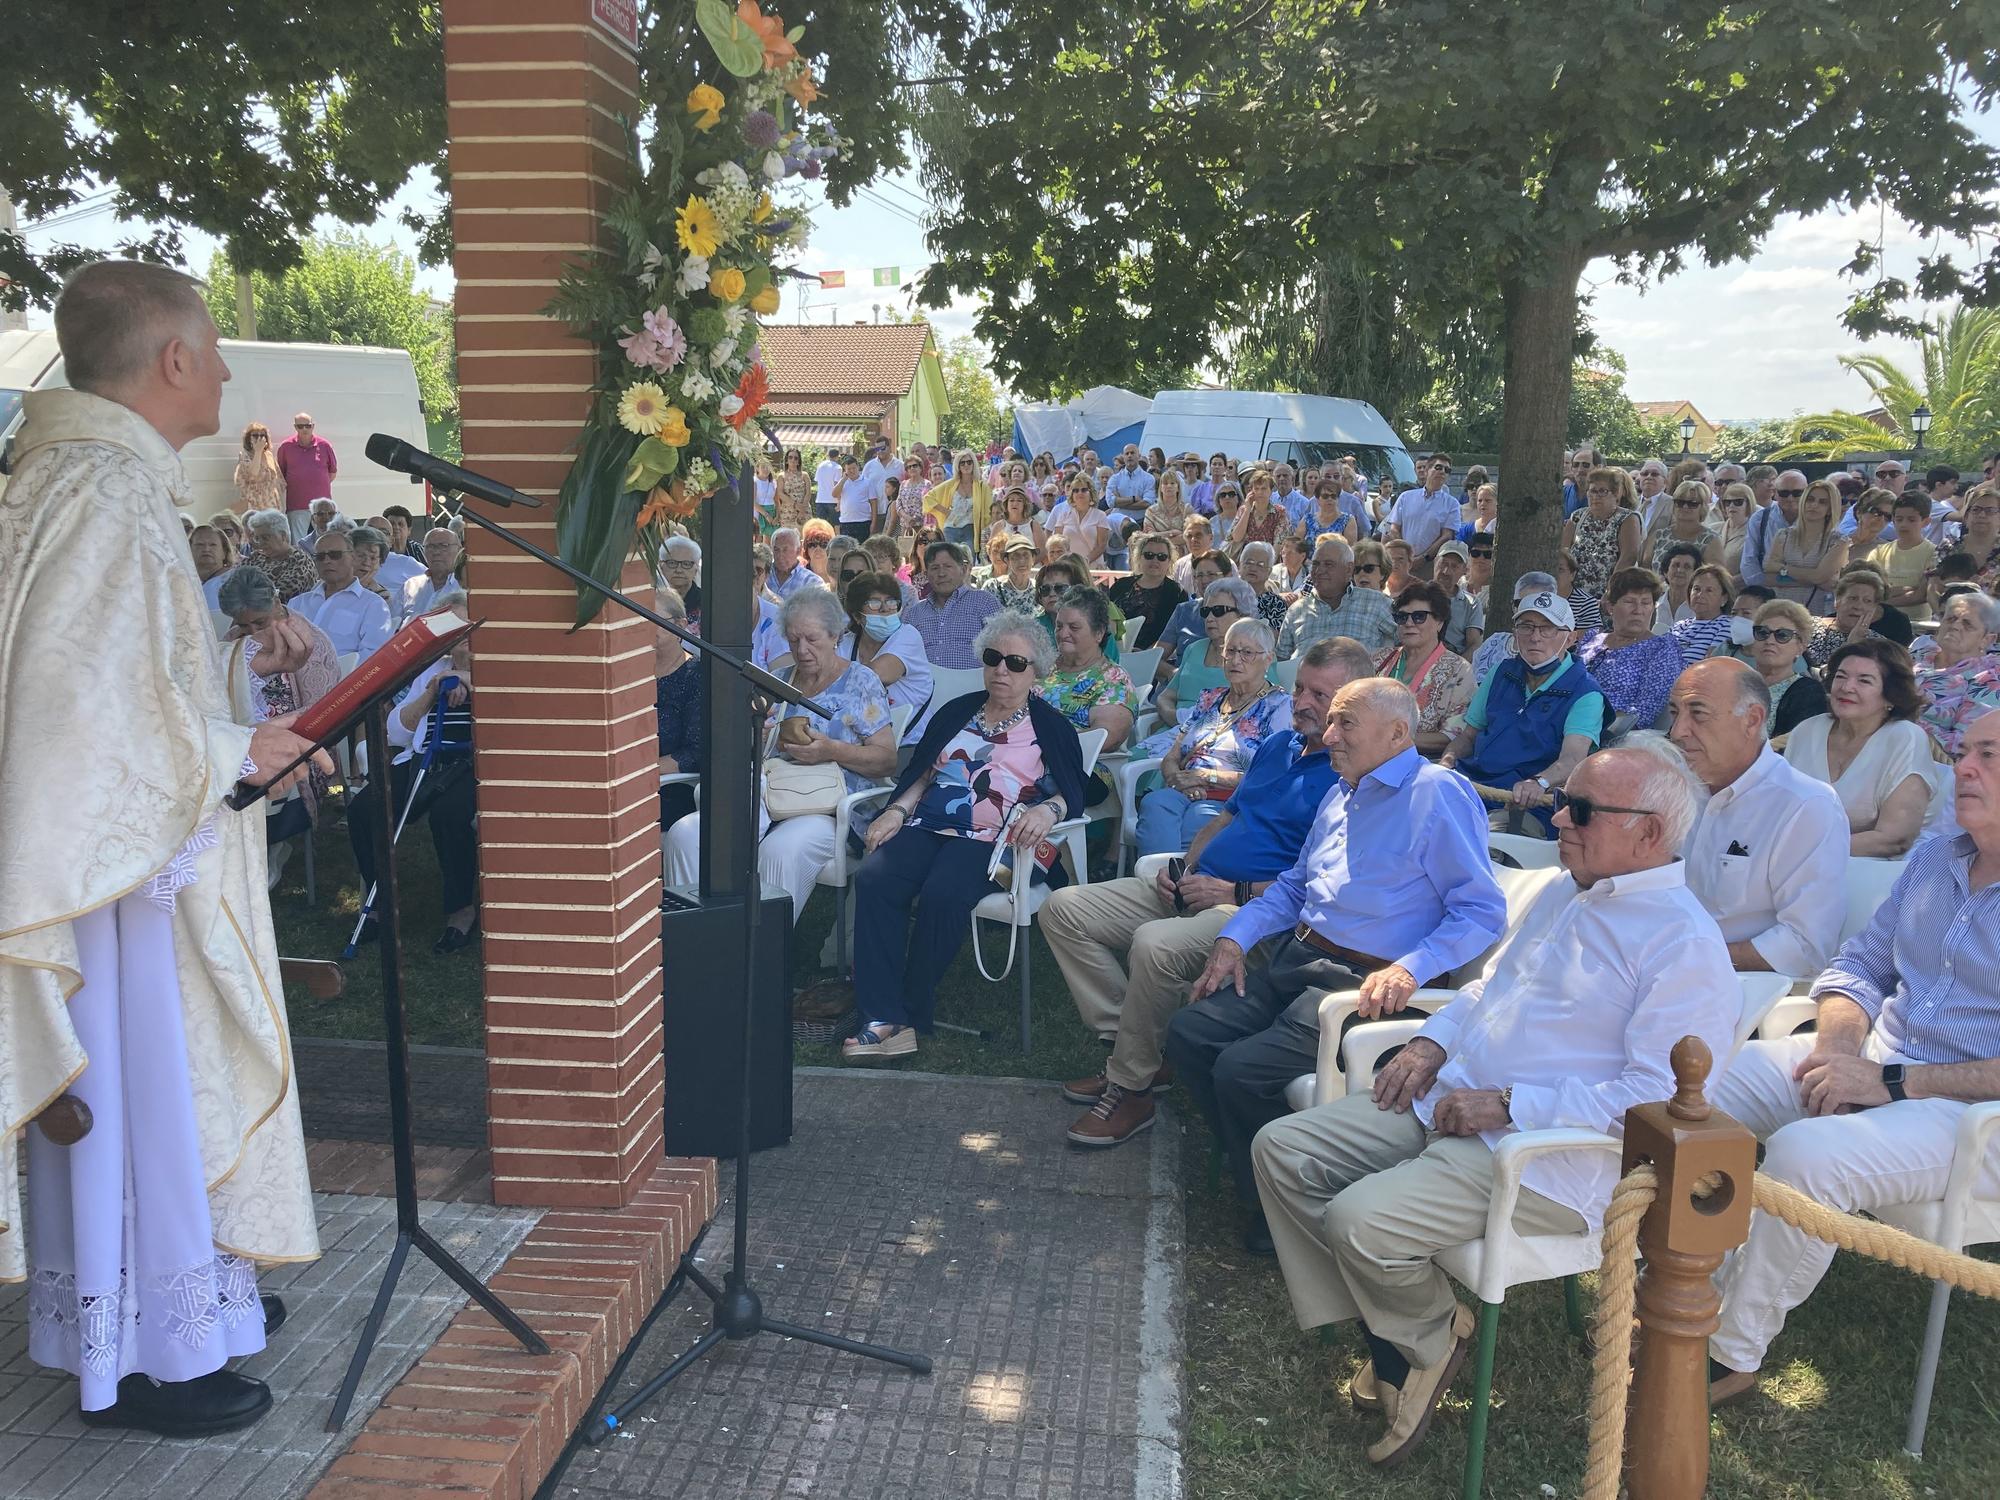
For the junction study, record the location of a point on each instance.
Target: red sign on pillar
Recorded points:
(619, 17)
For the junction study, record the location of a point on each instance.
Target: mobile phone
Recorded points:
(1176, 867)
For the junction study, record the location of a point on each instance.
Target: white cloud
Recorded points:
(1780, 279)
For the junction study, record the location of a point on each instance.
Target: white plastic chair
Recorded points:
(1016, 906)
(1287, 672)
(838, 872)
(1140, 665)
(1126, 782)
(1502, 1258)
(1133, 626)
(1523, 852)
(1868, 884)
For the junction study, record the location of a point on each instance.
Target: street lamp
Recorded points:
(1687, 434)
(1920, 423)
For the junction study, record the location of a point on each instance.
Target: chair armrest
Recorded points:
(1515, 1152)
(1968, 1160)
(1149, 865)
(1787, 1016)
(843, 822)
(1335, 1006)
(679, 778)
(1366, 1043)
(1126, 780)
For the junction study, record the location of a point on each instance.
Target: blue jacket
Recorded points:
(1522, 734)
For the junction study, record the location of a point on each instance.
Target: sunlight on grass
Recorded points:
(1798, 1386)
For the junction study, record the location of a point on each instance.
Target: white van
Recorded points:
(1304, 431)
(350, 389)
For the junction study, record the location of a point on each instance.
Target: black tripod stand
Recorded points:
(738, 1312)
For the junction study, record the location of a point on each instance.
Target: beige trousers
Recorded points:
(1129, 960)
(1360, 1199)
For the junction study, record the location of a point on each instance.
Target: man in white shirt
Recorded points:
(355, 619)
(788, 574)
(1769, 855)
(858, 492)
(1132, 488)
(825, 505)
(397, 566)
(442, 549)
(1295, 503)
(1571, 1025)
(1426, 517)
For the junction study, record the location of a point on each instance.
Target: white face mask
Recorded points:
(881, 627)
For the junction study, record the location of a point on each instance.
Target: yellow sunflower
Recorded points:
(643, 408)
(696, 229)
(726, 284)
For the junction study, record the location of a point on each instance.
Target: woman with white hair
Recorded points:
(1958, 670)
(1254, 568)
(1213, 750)
(273, 553)
(858, 739)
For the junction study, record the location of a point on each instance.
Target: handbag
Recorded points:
(795, 791)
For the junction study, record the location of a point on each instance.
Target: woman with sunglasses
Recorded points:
(815, 540)
(1199, 670)
(1214, 748)
(1371, 566)
(1148, 593)
(1872, 515)
(1439, 677)
(994, 765)
(877, 638)
(1327, 516)
(959, 506)
(1733, 508)
(1780, 631)
(259, 485)
(1228, 511)
(1017, 519)
(1871, 749)
(1685, 524)
(1806, 557)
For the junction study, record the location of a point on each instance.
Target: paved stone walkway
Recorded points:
(344, 1092)
(46, 1453)
(946, 1216)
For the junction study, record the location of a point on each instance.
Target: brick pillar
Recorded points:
(568, 816)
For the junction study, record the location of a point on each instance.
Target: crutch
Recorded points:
(436, 732)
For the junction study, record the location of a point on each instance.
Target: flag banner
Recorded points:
(888, 275)
(830, 279)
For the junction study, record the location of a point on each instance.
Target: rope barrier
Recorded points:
(1618, 1285)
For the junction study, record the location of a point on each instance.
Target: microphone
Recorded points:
(394, 453)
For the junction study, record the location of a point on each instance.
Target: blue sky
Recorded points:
(1757, 338)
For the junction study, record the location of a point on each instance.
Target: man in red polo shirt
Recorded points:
(308, 464)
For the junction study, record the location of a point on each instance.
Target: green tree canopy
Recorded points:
(1749, 442)
(978, 414)
(1601, 414)
(346, 291)
(1122, 181)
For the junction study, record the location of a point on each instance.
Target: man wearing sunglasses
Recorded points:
(1572, 1023)
(1771, 520)
(1129, 948)
(1426, 516)
(1769, 855)
(1393, 887)
(1532, 721)
(1580, 464)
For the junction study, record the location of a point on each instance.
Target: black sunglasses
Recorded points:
(1015, 664)
(1051, 588)
(1217, 611)
(1410, 616)
(1782, 633)
(1791, 494)
(1583, 809)
(1155, 557)
(1481, 551)
(1687, 505)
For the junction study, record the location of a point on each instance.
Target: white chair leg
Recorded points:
(1927, 1363)
(1027, 962)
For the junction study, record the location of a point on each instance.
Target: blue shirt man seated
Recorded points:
(1539, 713)
(1130, 947)
(1863, 1113)
(1393, 888)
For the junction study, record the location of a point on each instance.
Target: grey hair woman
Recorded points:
(272, 551)
(857, 739)
(1223, 603)
(996, 767)
(275, 662)
(1216, 745)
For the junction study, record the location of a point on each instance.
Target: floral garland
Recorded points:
(680, 381)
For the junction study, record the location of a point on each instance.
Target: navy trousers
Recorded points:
(912, 911)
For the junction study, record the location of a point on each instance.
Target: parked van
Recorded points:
(1304, 431)
(350, 389)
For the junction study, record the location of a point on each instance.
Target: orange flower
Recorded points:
(754, 389)
(770, 31)
(802, 88)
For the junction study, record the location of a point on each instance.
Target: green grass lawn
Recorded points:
(1266, 1417)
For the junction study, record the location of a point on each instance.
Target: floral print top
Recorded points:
(1075, 694)
(860, 706)
(979, 779)
(1218, 740)
(1956, 695)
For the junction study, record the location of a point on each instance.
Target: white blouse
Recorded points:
(1893, 754)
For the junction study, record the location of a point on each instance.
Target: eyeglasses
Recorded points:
(1217, 611)
(1983, 510)
(1687, 505)
(680, 562)
(1582, 809)
(1791, 494)
(1411, 616)
(1015, 664)
(1479, 552)
(883, 605)
(819, 542)
(1156, 557)
(1242, 653)
(1043, 590)
(1783, 634)
(322, 556)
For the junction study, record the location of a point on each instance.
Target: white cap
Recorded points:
(1550, 606)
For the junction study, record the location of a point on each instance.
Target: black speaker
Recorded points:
(702, 963)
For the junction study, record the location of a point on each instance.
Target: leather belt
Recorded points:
(1361, 963)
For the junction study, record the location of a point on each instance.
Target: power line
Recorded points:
(917, 198)
(892, 208)
(83, 208)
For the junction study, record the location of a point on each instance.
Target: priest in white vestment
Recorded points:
(137, 967)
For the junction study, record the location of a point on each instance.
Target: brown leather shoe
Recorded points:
(1410, 1410)
(1363, 1394)
(1726, 1390)
(1090, 1090)
(1117, 1116)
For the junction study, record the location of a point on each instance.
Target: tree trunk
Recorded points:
(1540, 330)
(246, 307)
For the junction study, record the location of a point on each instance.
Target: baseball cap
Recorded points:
(1550, 606)
(1455, 549)
(1018, 544)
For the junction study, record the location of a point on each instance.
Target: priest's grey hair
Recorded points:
(114, 316)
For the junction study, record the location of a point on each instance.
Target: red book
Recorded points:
(409, 650)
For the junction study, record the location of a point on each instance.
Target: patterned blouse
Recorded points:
(292, 575)
(1218, 740)
(1075, 694)
(1443, 689)
(1010, 597)
(1954, 696)
(259, 485)
(1596, 547)
(1636, 679)
(979, 779)
(860, 707)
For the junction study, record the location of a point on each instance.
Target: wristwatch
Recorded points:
(1543, 783)
(1892, 1080)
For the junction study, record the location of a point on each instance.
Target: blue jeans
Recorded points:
(1168, 820)
(960, 534)
(935, 878)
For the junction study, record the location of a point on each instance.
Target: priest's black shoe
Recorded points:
(274, 1312)
(219, 1402)
(1257, 1238)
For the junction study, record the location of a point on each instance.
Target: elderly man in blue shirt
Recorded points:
(1393, 888)
(1863, 1112)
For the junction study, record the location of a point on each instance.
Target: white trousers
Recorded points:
(1897, 1153)
(790, 856)
(124, 1275)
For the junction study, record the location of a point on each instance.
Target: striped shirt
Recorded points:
(950, 629)
(1926, 969)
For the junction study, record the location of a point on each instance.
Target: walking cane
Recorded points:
(436, 732)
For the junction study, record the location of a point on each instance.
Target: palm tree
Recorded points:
(1960, 385)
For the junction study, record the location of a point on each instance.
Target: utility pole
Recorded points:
(11, 320)
(246, 307)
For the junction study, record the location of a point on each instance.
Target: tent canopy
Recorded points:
(1105, 416)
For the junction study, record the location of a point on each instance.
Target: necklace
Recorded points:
(994, 731)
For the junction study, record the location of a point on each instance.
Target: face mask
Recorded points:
(881, 627)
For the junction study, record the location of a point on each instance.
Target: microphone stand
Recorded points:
(737, 1312)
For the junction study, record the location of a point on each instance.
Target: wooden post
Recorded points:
(1682, 1241)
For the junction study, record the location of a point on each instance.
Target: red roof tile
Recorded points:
(867, 359)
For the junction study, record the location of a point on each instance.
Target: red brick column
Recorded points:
(568, 816)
